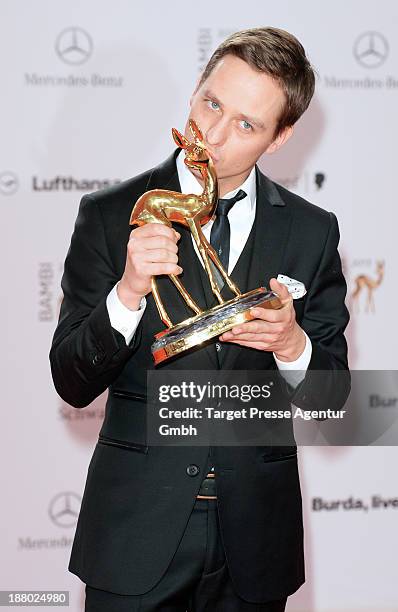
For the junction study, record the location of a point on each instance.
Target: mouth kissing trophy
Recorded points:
(192, 211)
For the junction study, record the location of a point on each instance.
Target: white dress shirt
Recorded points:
(241, 218)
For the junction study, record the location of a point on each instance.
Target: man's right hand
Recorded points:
(152, 249)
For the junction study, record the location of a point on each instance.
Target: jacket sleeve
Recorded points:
(87, 354)
(327, 381)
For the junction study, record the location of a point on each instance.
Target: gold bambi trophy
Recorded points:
(192, 211)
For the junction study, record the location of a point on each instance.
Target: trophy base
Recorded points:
(213, 322)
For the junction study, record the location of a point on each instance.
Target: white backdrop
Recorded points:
(90, 91)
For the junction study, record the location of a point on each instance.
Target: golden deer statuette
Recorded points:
(190, 210)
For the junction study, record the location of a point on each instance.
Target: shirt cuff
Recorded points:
(294, 371)
(122, 318)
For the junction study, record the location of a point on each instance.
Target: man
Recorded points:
(148, 536)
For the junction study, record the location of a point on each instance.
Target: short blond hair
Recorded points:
(280, 55)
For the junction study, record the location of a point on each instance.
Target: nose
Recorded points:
(216, 135)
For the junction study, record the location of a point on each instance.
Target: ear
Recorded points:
(280, 139)
(195, 130)
(179, 139)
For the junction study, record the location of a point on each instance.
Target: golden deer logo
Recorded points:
(363, 282)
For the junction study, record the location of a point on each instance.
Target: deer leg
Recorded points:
(354, 299)
(162, 311)
(367, 300)
(198, 237)
(371, 301)
(188, 299)
(213, 255)
(356, 303)
(234, 288)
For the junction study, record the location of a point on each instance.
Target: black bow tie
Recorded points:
(221, 231)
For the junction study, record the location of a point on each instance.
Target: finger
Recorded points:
(153, 269)
(158, 255)
(156, 229)
(254, 330)
(261, 346)
(157, 242)
(269, 315)
(281, 290)
(265, 338)
(257, 326)
(260, 327)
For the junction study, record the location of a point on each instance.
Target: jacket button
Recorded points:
(218, 347)
(193, 470)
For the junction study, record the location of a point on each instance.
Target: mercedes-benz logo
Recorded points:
(8, 183)
(64, 509)
(371, 49)
(74, 46)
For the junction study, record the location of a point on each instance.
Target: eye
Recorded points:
(212, 104)
(246, 126)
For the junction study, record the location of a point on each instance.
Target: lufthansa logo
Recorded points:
(74, 46)
(8, 183)
(371, 49)
(64, 509)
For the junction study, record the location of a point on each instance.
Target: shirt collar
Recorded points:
(190, 184)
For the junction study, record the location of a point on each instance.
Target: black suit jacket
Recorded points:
(138, 498)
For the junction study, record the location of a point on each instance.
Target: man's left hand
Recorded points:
(271, 330)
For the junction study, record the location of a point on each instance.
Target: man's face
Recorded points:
(237, 108)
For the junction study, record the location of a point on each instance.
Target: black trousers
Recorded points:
(197, 579)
